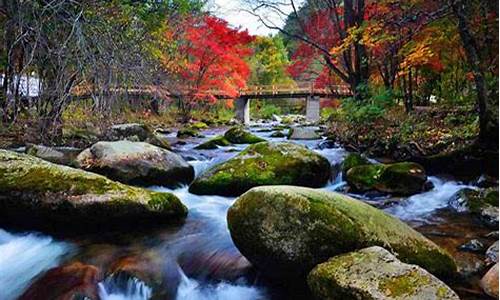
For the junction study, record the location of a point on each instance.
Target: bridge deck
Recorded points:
(252, 92)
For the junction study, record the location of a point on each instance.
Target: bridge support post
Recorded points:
(242, 106)
(312, 108)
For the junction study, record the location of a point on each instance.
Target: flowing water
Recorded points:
(195, 259)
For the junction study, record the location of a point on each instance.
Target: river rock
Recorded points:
(59, 155)
(489, 282)
(481, 204)
(375, 274)
(188, 132)
(238, 135)
(303, 133)
(353, 160)
(265, 163)
(214, 143)
(34, 191)
(73, 281)
(136, 132)
(136, 163)
(277, 134)
(492, 253)
(472, 246)
(403, 178)
(286, 231)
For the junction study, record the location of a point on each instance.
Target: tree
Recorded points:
(214, 61)
(482, 58)
(269, 62)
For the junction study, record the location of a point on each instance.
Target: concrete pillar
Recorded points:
(242, 106)
(312, 108)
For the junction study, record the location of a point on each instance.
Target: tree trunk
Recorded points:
(488, 116)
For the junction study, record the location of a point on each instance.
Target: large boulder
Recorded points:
(264, 163)
(483, 205)
(353, 160)
(34, 191)
(285, 231)
(489, 282)
(136, 163)
(136, 132)
(403, 178)
(238, 135)
(303, 133)
(375, 274)
(59, 155)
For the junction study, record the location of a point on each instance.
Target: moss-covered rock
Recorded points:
(238, 135)
(405, 178)
(264, 163)
(34, 191)
(375, 274)
(136, 163)
(481, 204)
(199, 125)
(214, 143)
(188, 132)
(277, 134)
(285, 231)
(353, 160)
(136, 132)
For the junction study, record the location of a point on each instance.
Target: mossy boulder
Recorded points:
(277, 134)
(199, 125)
(214, 143)
(374, 274)
(137, 132)
(34, 191)
(353, 160)
(238, 135)
(285, 231)
(188, 132)
(136, 163)
(405, 178)
(482, 204)
(264, 163)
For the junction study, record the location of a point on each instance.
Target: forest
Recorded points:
(159, 149)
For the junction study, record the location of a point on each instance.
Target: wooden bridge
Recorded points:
(308, 91)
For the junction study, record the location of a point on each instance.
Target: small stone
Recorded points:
(492, 253)
(472, 246)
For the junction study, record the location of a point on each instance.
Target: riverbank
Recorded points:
(442, 139)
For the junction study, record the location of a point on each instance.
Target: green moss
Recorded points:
(491, 196)
(237, 135)
(406, 284)
(269, 221)
(63, 189)
(264, 164)
(214, 143)
(199, 125)
(188, 132)
(365, 177)
(353, 160)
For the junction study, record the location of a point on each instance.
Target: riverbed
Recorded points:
(197, 259)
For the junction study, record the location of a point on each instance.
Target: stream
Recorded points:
(197, 259)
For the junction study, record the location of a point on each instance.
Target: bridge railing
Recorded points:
(264, 90)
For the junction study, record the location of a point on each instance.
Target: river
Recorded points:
(197, 259)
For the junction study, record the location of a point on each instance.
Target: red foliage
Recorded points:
(215, 58)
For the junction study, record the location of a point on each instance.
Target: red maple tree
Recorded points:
(214, 61)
